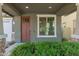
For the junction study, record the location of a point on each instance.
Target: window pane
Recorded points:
(50, 26)
(42, 25)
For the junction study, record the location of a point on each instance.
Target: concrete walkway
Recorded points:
(9, 49)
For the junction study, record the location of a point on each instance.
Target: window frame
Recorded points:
(46, 15)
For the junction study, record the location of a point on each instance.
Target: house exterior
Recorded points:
(37, 22)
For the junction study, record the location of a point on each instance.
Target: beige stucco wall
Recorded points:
(68, 24)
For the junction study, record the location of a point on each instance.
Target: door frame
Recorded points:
(21, 26)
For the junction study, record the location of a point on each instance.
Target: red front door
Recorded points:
(25, 28)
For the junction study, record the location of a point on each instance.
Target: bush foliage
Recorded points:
(47, 49)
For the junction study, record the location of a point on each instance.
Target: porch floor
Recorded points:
(10, 48)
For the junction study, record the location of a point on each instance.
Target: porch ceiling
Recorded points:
(37, 7)
(41, 7)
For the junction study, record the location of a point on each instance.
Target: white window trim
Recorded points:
(45, 15)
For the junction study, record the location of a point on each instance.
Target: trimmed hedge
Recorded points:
(47, 49)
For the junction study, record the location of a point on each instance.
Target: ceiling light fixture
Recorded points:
(50, 7)
(27, 7)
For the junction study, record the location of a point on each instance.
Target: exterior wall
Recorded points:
(33, 33)
(77, 21)
(17, 28)
(68, 24)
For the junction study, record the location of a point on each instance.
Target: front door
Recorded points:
(25, 28)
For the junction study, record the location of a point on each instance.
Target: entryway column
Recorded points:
(1, 23)
(2, 36)
(59, 27)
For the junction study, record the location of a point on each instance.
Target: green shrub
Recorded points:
(24, 49)
(70, 49)
(47, 49)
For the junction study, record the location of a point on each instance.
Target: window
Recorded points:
(46, 25)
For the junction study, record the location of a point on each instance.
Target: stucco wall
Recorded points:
(17, 28)
(68, 24)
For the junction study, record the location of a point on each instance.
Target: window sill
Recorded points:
(46, 36)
